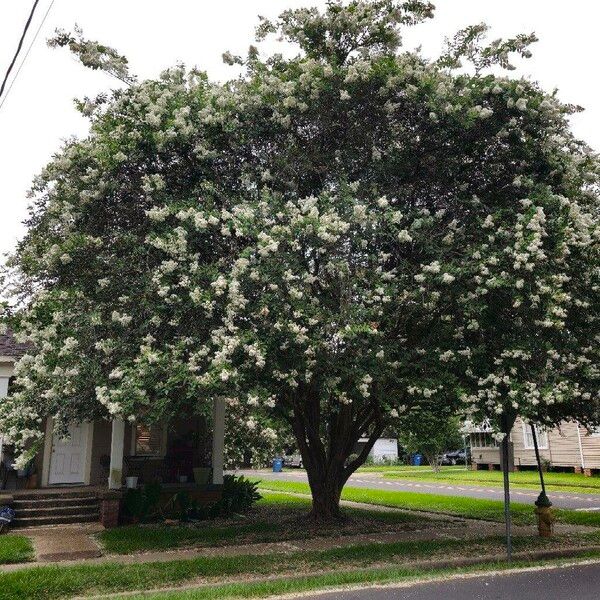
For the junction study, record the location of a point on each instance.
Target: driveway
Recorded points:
(581, 582)
(570, 500)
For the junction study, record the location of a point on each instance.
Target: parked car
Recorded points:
(292, 460)
(456, 457)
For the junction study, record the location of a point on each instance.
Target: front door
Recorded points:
(67, 463)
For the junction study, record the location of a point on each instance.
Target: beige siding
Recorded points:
(564, 446)
(485, 456)
(562, 451)
(524, 456)
(591, 449)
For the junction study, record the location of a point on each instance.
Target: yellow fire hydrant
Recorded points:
(545, 515)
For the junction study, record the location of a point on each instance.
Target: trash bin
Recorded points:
(417, 460)
(277, 465)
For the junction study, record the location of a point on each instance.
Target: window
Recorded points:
(483, 440)
(148, 440)
(542, 437)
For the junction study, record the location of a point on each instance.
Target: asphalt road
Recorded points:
(580, 582)
(375, 481)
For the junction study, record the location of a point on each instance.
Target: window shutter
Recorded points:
(148, 440)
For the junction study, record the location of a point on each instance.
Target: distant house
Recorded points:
(569, 446)
(97, 456)
(384, 449)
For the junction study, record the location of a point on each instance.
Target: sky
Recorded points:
(154, 34)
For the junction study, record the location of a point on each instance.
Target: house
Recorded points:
(97, 457)
(569, 446)
(384, 449)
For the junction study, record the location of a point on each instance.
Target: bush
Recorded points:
(139, 503)
(239, 494)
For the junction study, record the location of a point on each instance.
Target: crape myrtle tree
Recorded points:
(327, 241)
(430, 430)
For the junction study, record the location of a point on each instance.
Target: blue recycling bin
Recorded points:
(277, 465)
(417, 460)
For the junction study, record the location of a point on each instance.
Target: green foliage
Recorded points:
(238, 496)
(15, 549)
(430, 431)
(142, 503)
(329, 241)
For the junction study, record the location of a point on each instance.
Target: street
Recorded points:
(580, 582)
(569, 500)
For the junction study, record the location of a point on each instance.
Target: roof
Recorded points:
(10, 347)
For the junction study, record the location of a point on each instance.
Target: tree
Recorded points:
(429, 432)
(252, 439)
(330, 240)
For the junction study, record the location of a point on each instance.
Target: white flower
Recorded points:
(521, 103)
(404, 236)
(447, 278)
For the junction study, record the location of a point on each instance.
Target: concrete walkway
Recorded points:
(59, 543)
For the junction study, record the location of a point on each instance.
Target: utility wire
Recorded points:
(37, 33)
(14, 60)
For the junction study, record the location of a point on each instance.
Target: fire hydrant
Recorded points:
(545, 515)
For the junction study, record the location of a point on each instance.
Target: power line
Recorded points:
(14, 60)
(27, 53)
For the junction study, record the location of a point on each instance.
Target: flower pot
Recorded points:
(183, 478)
(201, 475)
(131, 482)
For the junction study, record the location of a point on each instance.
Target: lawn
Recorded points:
(554, 481)
(66, 581)
(15, 549)
(461, 506)
(344, 579)
(276, 517)
(404, 469)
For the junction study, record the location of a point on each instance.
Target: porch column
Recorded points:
(116, 454)
(3, 386)
(218, 440)
(3, 393)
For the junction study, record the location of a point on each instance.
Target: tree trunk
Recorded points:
(326, 502)
(433, 461)
(326, 450)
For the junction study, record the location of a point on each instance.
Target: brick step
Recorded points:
(55, 501)
(58, 494)
(56, 511)
(56, 520)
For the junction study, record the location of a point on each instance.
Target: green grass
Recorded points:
(134, 538)
(15, 549)
(403, 468)
(65, 581)
(147, 538)
(554, 481)
(298, 585)
(461, 506)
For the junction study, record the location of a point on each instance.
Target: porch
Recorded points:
(82, 477)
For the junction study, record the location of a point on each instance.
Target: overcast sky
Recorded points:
(155, 34)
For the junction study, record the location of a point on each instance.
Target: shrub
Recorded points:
(239, 494)
(139, 503)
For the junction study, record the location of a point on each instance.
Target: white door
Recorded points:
(67, 462)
